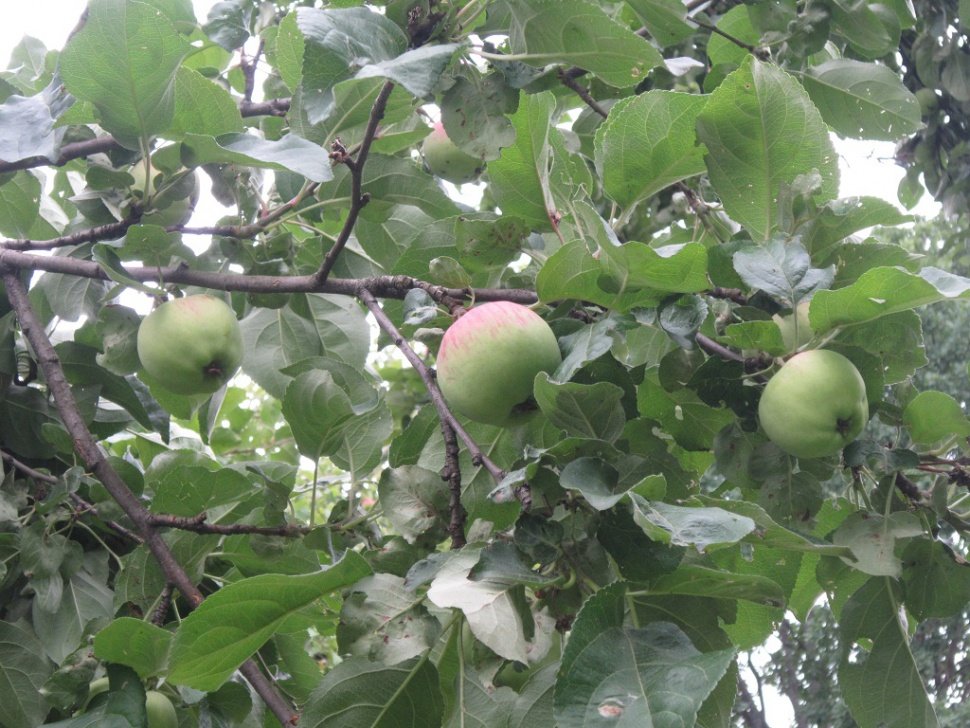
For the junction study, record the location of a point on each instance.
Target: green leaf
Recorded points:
(24, 668)
(840, 218)
(227, 23)
(665, 19)
(139, 645)
(862, 100)
(478, 706)
(747, 126)
(289, 154)
(186, 483)
(202, 107)
(316, 407)
(124, 60)
(935, 584)
(701, 581)
(689, 526)
(337, 43)
(933, 416)
(648, 143)
(865, 30)
(495, 610)
(474, 112)
(781, 269)
(897, 339)
(19, 204)
(596, 480)
(359, 693)
(383, 620)
(872, 539)
(237, 620)
(319, 325)
(881, 684)
(585, 410)
(520, 177)
(736, 22)
(653, 674)
(580, 33)
(27, 127)
(683, 414)
(882, 291)
(418, 70)
(668, 269)
(415, 500)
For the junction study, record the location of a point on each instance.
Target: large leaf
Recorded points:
(747, 126)
(651, 674)
(234, 622)
(648, 143)
(582, 34)
(124, 61)
(23, 669)
(862, 100)
(139, 645)
(359, 693)
(877, 672)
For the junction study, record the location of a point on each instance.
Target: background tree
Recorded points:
(325, 542)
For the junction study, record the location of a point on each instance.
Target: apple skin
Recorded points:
(489, 358)
(191, 345)
(161, 713)
(444, 159)
(814, 405)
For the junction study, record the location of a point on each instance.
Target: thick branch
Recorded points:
(92, 235)
(87, 448)
(357, 197)
(451, 474)
(382, 286)
(428, 377)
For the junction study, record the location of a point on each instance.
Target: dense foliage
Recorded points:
(323, 542)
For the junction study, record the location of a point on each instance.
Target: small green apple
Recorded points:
(489, 358)
(814, 405)
(191, 345)
(161, 713)
(171, 197)
(444, 159)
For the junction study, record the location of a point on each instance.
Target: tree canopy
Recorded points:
(326, 540)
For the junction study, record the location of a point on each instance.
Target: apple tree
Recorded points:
(326, 540)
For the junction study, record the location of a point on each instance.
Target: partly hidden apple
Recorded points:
(489, 358)
(814, 405)
(444, 159)
(191, 345)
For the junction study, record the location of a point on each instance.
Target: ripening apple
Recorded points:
(160, 711)
(814, 405)
(489, 358)
(444, 159)
(191, 345)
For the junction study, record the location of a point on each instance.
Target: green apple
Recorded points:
(171, 197)
(191, 345)
(489, 358)
(444, 159)
(814, 405)
(795, 328)
(161, 712)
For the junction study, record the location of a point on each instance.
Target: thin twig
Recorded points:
(357, 197)
(712, 347)
(92, 455)
(164, 603)
(109, 231)
(428, 377)
(198, 524)
(583, 93)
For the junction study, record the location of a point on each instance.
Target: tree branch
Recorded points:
(91, 454)
(715, 349)
(357, 197)
(198, 524)
(428, 377)
(382, 286)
